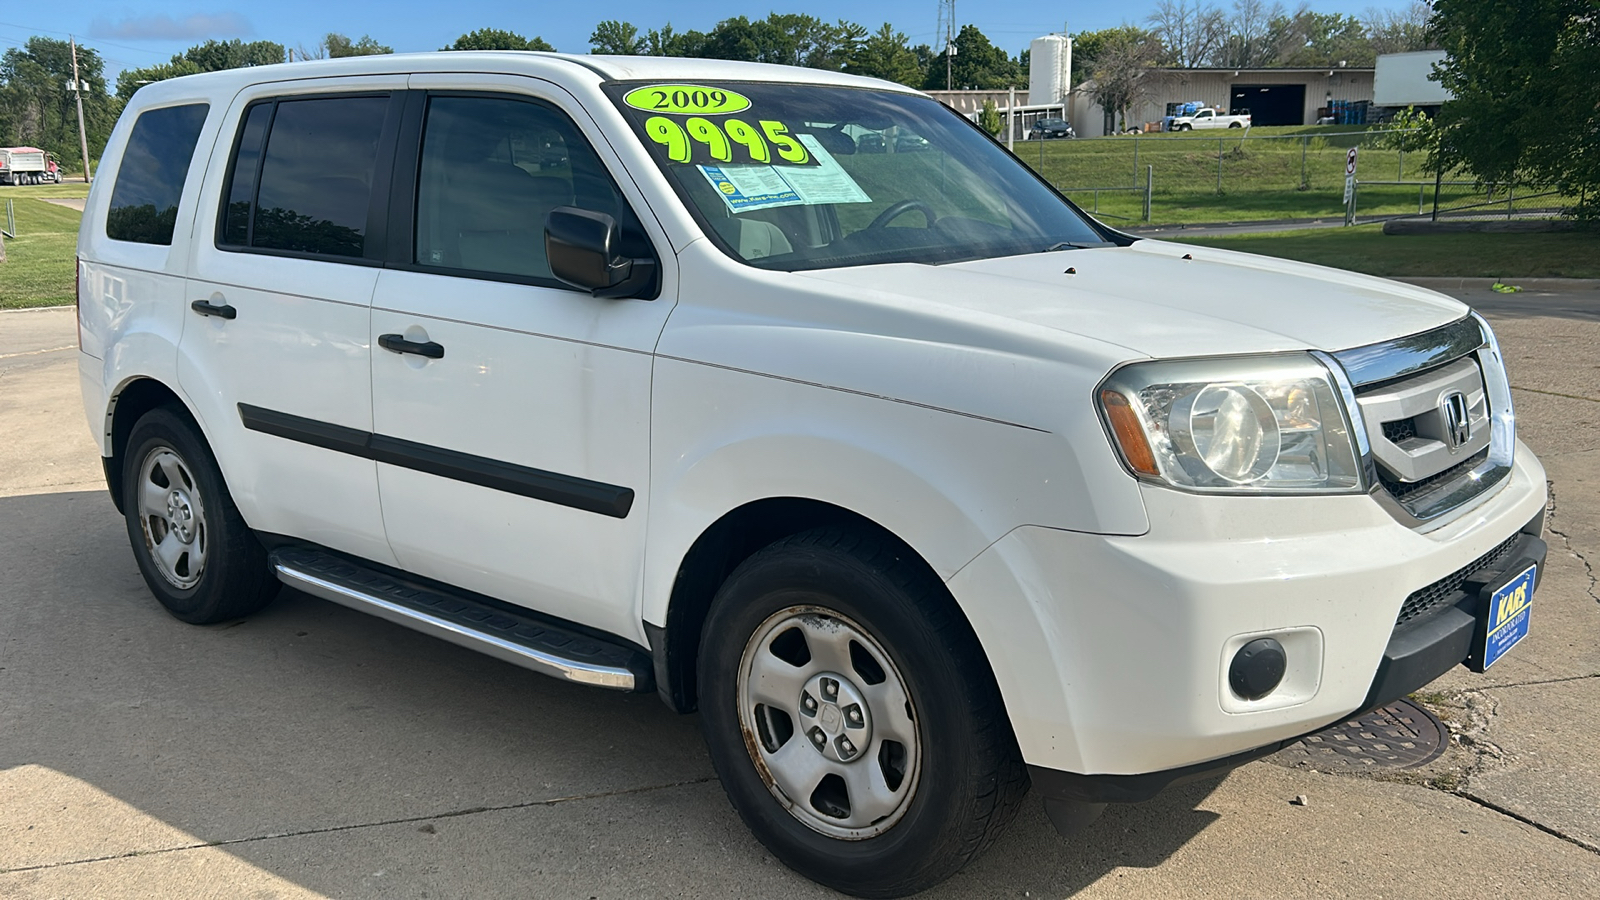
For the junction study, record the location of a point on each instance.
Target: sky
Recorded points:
(133, 34)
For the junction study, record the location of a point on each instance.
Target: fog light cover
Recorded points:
(1257, 668)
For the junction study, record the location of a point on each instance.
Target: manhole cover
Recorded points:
(1401, 735)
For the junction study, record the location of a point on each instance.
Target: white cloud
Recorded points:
(162, 27)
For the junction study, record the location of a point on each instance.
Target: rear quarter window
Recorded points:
(144, 200)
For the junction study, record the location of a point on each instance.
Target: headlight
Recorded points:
(1257, 425)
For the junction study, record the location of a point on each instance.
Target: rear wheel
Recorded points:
(197, 555)
(853, 717)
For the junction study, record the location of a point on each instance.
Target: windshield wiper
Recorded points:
(1074, 245)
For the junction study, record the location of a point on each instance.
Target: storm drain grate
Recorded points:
(1401, 735)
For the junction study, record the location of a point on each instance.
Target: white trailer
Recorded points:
(27, 165)
(1401, 80)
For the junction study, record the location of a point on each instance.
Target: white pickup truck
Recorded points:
(1209, 118)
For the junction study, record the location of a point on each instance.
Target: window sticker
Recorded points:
(744, 188)
(826, 182)
(686, 100)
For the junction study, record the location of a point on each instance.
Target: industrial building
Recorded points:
(1274, 96)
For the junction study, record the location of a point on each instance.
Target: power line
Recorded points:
(69, 34)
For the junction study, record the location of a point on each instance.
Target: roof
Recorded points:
(558, 66)
(1240, 70)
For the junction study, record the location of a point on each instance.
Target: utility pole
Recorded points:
(947, 25)
(77, 89)
(1011, 128)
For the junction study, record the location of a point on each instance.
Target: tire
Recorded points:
(873, 620)
(1234, 125)
(212, 568)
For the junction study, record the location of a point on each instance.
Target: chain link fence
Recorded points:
(1465, 201)
(1273, 174)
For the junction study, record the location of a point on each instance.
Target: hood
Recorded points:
(1150, 299)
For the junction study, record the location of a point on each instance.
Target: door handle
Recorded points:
(207, 308)
(397, 344)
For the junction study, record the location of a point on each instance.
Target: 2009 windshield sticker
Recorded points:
(687, 100)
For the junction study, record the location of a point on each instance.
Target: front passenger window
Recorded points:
(492, 170)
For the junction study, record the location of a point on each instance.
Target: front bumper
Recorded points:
(1112, 652)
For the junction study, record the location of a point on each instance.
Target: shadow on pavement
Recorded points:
(313, 723)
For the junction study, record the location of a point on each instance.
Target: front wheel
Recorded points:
(197, 555)
(852, 716)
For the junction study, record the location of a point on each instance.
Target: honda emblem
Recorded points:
(1457, 419)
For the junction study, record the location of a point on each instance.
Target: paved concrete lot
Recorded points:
(311, 751)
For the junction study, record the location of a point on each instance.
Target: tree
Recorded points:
(1247, 44)
(1399, 30)
(1190, 31)
(37, 104)
(338, 45)
(664, 41)
(130, 80)
(1522, 76)
(212, 56)
(1122, 77)
(886, 54)
(616, 39)
(785, 39)
(989, 117)
(977, 65)
(1088, 45)
(496, 39)
(1318, 39)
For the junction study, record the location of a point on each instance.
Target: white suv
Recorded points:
(794, 398)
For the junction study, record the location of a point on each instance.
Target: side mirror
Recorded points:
(582, 247)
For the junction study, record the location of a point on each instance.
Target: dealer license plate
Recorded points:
(1507, 622)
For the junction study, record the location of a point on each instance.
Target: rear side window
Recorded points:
(302, 176)
(144, 201)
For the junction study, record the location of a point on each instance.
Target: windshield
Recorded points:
(793, 177)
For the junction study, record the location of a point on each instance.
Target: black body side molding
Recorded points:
(538, 484)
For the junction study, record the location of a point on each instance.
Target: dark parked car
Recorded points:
(1053, 128)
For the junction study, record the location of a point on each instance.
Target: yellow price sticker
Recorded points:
(679, 140)
(686, 100)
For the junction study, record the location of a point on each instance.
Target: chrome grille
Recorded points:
(1435, 409)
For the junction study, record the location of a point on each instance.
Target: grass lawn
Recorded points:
(40, 262)
(1571, 254)
(1269, 173)
(68, 188)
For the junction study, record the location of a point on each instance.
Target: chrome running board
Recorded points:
(519, 638)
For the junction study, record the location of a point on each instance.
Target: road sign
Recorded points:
(1349, 177)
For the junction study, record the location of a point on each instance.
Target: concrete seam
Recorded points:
(37, 352)
(1511, 814)
(1555, 394)
(1522, 684)
(1588, 568)
(331, 829)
